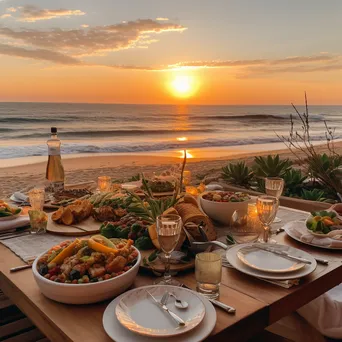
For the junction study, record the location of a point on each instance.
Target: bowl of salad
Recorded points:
(8, 212)
(220, 205)
(325, 224)
(87, 271)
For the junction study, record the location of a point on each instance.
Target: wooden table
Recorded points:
(258, 303)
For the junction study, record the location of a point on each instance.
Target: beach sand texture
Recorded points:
(84, 169)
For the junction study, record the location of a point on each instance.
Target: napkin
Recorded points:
(18, 222)
(299, 230)
(325, 313)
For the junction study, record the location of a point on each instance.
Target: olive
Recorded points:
(94, 280)
(74, 274)
(43, 269)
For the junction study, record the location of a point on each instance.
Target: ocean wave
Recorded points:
(17, 120)
(79, 148)
(118, 132)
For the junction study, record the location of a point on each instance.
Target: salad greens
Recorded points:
(323, 222)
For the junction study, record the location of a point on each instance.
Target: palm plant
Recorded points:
(271, 166)
(239, 174)
(294, 180)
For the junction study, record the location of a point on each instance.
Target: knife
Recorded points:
(215, 302)
(284, 254)
(165, 308)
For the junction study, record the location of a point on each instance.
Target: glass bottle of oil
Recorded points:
(55, 169)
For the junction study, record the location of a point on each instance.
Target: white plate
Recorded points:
(293, 236)
(262, 260)
(12, 217)
(132, 308)
(118, 333)
(231, 255)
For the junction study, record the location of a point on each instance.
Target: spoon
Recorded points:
(180, 304)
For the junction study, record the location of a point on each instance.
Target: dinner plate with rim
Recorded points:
(133, 306)
(11, 217)
(119, 333)
(294, 237)
(231, 255)
(267, 261)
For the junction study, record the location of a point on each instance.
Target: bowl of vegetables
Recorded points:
(324, 224)
(87, 271)
(220, 205)
(8, 212)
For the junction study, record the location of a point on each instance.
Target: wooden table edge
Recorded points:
(29, 308)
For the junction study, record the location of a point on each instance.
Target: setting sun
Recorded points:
(183, 86)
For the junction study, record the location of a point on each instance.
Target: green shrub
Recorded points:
(239, 174)
(271, 166)
(313, 195)
(294, 180)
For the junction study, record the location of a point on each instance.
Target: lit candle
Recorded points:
(253, 218)
(186, 177)
(192, 190)
(104, 183)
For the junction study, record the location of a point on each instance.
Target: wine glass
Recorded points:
(267, 207)
(168, 231)
(274, 186)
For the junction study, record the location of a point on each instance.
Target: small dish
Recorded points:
(12, 217)
(266, 261)
(133, 306)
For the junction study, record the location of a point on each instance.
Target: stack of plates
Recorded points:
(254, 260)
(134, 316)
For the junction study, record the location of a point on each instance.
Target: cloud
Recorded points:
(6, 15)
(30, 13)
(38, 54)
(162, 19)
(92, 41)
(84, 25)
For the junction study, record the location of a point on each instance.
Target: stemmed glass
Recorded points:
(267, 207)
(168, 231)
(274, 186)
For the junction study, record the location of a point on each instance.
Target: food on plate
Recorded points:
(71, 193)
(323, 222)
(226, 196)
(108, 213)
(73, 213)
(7, 210)
(157, 185)
(131, 227)
(87, 260)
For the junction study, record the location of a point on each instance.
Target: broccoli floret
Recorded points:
(123, 233)
(110, 231)
(143, 243)
(136, 227)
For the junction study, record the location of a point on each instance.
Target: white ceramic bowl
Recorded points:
(222, 211)
(85, 293)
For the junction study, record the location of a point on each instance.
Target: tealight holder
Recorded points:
(104, 183)
(192, 190)
(186, 178)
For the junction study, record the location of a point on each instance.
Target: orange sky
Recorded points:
(105, 85)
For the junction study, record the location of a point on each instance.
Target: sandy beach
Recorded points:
(121, 167)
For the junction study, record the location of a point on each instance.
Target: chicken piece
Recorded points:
(66, 269)
(98, 257)
(120, 212)
(116, 265)
(103, 214)
(67, 217)
(96, 271)
(57, 215)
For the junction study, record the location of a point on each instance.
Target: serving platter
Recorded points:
(119, 333)
(288, 229)
(86, 227)
(132, 307)
(159, 266)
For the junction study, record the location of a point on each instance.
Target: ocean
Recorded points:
(123, 128)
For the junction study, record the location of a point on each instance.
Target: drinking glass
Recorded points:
(168, 231)
(274, 186)
(38, 221)
(37, 198)
(245, 227)
(208, 272)
(267, 207)
(104, 183)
